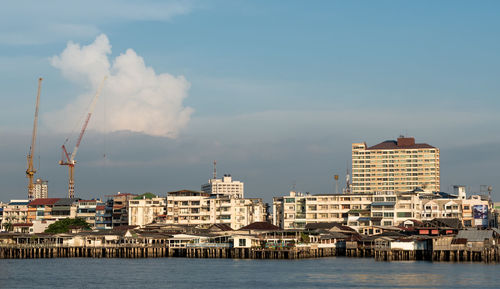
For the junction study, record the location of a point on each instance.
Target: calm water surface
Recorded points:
(227, 273)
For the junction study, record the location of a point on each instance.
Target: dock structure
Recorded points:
(44, 252)
(255, 242)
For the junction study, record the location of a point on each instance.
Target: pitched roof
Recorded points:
(262, 226)
(328, 226)
(220, 227)
(454, 223)
(401, 143)
(475, 235)
(43, 202)
(66, 201)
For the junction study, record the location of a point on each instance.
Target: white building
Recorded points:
(144, 211)
(201, 208)
(224, 186)
(41, 189)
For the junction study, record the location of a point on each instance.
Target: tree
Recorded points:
(8, 226)
(63, 226)
(147, 195)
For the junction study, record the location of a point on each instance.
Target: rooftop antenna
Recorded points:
(215, 170)
(336, 177)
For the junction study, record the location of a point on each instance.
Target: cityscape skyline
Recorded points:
(277, 103)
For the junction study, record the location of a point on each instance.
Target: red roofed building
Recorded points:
(40, 209)
(395, 166)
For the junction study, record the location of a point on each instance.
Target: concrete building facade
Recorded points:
(41, 189)
(200, 208)
(378, 209)
(146, 210)
(395, 166)
(225, 186)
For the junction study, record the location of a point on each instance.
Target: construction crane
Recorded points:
(30, 171)
(66, 159)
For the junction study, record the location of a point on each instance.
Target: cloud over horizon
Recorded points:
(134, 97)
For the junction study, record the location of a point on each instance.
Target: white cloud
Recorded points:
(134, 98)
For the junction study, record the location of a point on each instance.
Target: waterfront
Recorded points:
(228, 273)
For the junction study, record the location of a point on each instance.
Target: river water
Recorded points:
(333, 272)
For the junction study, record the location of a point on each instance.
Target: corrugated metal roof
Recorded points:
(65, 201)
(474, 235)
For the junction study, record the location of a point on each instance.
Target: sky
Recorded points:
(275, 91)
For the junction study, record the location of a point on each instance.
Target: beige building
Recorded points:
(296, 210)
(225, 186)
(199, 208)
(383, 209)
(144, 211)
(395, 166)
(15, 212)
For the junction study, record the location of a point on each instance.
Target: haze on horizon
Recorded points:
(275, 93)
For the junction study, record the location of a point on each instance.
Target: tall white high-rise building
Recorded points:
(225, 186)
(41, 189)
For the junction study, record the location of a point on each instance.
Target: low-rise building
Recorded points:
(87, 210)
(119, 203)
(15, 212)
(297, 209)
(104, 216)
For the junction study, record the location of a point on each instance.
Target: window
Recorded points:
(404, 214)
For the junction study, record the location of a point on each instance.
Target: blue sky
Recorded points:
(278, 90)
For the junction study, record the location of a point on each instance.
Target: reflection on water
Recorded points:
(226, 273)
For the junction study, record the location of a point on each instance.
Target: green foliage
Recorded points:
(8, 226)
(304, 238)
(63, 226)
(145, 196)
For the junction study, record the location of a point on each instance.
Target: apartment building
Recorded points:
(87, 210)
(41, 189)
(378, 209)
(225, 186)
(391, 209)
(119, 203)
(297, 209)
(52, 209)
(143, 211)
(187, 207)
(104, 216)
(15, 212)
(395, 166)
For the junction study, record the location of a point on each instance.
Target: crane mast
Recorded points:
(30, 171)
(69, 160)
